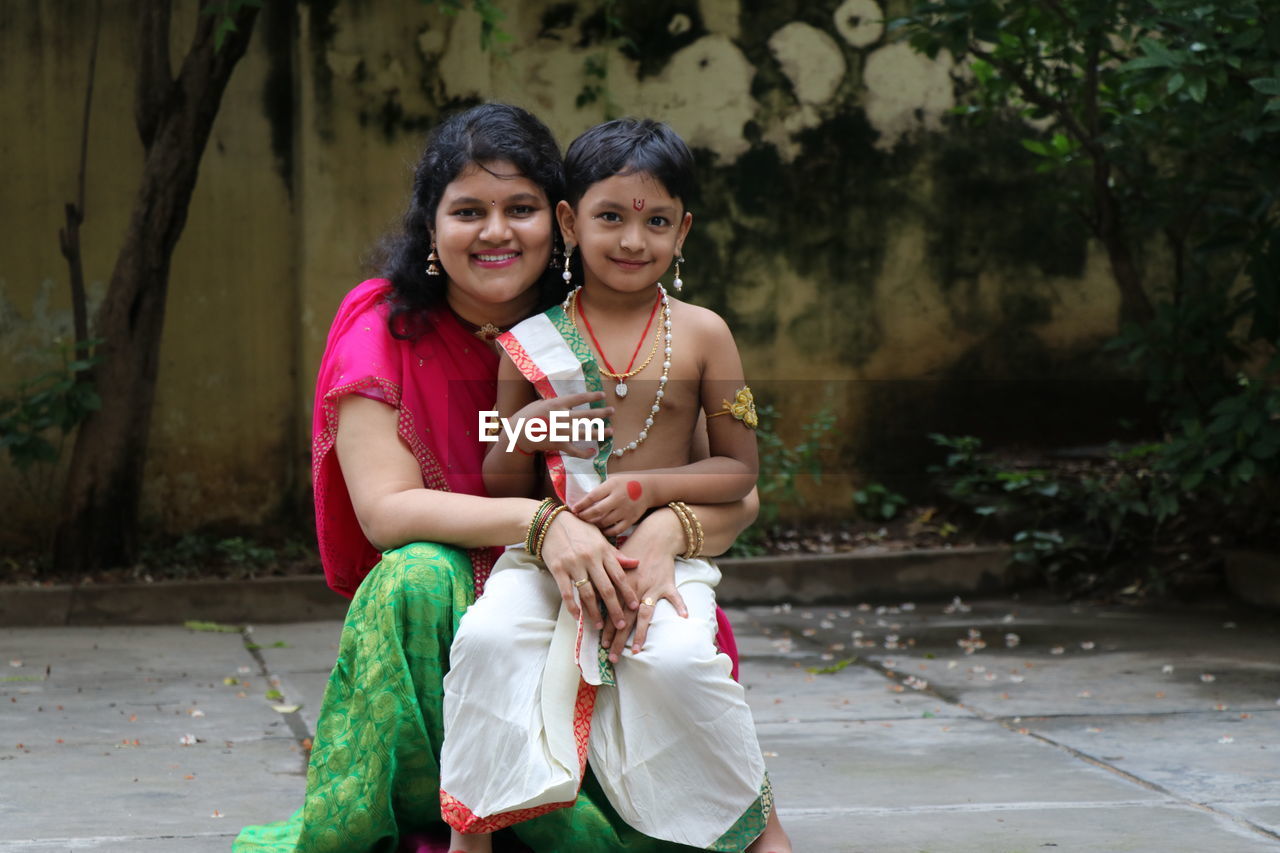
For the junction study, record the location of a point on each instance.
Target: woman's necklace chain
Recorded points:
(664, 330)
(620, 378)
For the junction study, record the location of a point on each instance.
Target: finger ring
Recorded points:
(581, 582)
(647, 601)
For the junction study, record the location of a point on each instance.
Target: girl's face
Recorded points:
(493, 236)
(628, 228)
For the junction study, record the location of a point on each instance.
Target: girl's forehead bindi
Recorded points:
(635, 192)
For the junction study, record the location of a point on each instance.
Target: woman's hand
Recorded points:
(653, 545)
(541, 410)
(575, 550)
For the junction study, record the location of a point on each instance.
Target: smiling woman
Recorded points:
(405, 524)
(493, 234)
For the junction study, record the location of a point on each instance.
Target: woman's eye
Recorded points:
(522, 210)
(467, 212)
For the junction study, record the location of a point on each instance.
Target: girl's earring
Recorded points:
(566, 275)
(677, 282)
(433, 261)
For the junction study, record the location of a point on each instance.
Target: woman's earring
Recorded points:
(566, 275)
(677, 283)
(433, 261)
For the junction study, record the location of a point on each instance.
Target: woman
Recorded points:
(408, 366)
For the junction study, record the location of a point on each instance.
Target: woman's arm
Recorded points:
(389, 499)
(393, 507)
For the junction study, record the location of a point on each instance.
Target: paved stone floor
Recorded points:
(999, 725)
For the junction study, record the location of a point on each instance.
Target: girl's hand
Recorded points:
(654, 545)
(540, 411)
(575, 550)
(615, 504)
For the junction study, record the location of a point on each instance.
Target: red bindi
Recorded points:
(634, 490)
(637, 203)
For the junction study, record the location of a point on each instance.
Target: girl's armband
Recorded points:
(743, 408)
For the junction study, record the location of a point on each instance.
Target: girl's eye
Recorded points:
(609, 216)
(659, 221)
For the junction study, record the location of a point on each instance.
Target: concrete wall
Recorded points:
(868, 253)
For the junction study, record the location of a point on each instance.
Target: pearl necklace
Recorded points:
(569, 307)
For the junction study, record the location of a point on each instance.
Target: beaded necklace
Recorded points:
(570, 306)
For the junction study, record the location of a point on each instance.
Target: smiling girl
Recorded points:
(535, 691)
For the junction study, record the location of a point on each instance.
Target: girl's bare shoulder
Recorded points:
(698, 320)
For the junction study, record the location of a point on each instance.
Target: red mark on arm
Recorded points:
(634, 490)
(637, 203)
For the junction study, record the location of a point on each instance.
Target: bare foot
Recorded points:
(774, 838)
(480, 842)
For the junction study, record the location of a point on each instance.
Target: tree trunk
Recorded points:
(1135, 305)
(98, 524)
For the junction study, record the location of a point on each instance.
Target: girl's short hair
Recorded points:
(628, 146)
(479, 135)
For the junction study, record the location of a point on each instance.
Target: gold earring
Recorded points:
(433, 265)
(677, 282)
(566, 275)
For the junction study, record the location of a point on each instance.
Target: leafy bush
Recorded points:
(877, 503)
(783, 467)
(53, 402)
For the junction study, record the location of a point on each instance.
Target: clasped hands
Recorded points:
(629, 580)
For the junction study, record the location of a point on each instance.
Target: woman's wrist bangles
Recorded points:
(540, 524)
(692, 529)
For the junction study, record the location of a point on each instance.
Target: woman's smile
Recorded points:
(495, 260)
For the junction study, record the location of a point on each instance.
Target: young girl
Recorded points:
(670, 737)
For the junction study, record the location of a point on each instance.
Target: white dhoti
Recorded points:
(530, 698)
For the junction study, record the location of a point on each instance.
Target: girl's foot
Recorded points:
(774, 838)
(481, 842)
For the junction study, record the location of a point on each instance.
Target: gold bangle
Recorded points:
(684, 523)
(535, 522)
(693, 535)
(546, 525)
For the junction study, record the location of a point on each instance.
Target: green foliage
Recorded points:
(225, 12)
(1163, 120)
(492, 35)
(783, 467)
(1232, 457)
(1141, 513)
(877, 502)
(198, 553)
(55, 402)
(595, 66)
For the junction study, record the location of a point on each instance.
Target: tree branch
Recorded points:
(69, 236)
(155, 75)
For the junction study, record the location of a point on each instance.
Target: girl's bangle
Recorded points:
(693, 536)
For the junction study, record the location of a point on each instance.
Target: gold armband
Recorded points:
(743, 408)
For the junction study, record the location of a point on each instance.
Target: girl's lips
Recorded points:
(629, 265)
(494, 260)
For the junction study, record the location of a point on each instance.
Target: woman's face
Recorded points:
(493, 236)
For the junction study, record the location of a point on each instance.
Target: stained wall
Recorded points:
(871, 254)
